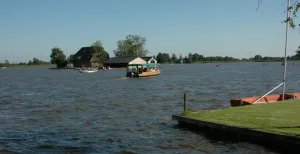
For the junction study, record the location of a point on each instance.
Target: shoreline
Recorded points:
(253, 124)
(272, 141)
(29, 66)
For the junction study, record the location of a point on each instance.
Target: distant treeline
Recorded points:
(197, 58)
(34, 61)
(191, 58)
(259, 58)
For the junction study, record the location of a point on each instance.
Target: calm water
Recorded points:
(60, 111)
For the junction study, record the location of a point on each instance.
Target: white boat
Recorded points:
(88, 71)
(3, 67)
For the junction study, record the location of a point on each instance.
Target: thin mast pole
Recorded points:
(286, 37)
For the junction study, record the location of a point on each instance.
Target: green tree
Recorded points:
(6, 62)
(36, 61)
(297, 55)
(298, 51)
(174, 58)
(196, 57)
(58, 57)
(133, 45)
(293, 9)
(185, 59)
(189, 58)
(167, 57)
(163, 57)
(258, 58)
(71, 59)
(99, 52)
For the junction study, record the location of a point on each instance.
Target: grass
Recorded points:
(282, 118)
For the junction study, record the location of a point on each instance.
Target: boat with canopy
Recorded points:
(143, 70)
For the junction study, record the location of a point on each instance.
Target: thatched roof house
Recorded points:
(84, 57)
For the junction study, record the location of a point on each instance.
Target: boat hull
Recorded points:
(267, 99)
(84, 71)
(144, 74)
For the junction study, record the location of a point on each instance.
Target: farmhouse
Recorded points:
(84, 57)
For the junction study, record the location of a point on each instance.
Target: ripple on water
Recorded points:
(66, 112)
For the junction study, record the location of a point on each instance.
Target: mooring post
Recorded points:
(294, 97)
(184, 105)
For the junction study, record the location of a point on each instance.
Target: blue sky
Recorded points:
(212, 27)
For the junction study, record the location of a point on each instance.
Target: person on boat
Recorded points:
(152, 69)
(140, 70)
(133, 74)
(82, 67)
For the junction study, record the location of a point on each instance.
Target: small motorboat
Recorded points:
(3, 67)
(264, 100)
(88, 71)
(218, 65)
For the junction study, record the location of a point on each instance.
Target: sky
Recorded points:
(234, 28)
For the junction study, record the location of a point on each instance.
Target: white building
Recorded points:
(116, 62)
(150, 60)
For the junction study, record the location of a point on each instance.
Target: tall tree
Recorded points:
(58, 57)
(190, 58)
(196, 57)
(258, 58)
(6, 62)
(36, 61)
(99, 52)
(163, 57)
(71, 59)
(297, 56)
(133, 45)
(174, 58)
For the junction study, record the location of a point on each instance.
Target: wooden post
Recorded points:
(184, 105)
(294, 97)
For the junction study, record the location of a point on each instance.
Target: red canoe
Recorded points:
(267, 99)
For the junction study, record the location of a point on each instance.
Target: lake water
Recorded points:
(61, 111)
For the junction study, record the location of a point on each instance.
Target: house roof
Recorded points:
(147, 58)
(84, 54)
(150, 64)
(114, 60)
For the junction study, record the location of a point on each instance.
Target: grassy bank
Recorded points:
(280, 117)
